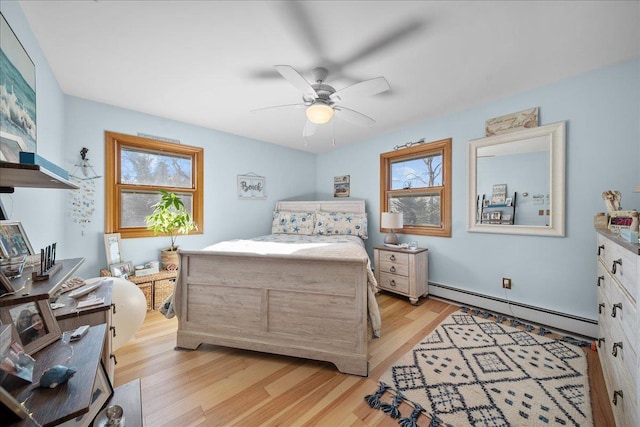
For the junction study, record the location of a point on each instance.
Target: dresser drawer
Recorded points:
(394, 283)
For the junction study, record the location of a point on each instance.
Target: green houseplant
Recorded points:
(170, 217)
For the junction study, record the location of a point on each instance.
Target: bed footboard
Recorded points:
(314, 308)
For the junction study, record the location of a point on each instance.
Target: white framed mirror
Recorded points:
(517, 182)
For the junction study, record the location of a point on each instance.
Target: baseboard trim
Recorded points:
(561, 322)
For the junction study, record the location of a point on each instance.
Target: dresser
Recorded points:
(402, 271)
(618, 273)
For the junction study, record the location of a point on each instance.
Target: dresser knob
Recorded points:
(392, 282)
(615, 306)
(615, 396)
(392, 269)
(113, 308)
(600, 279)
(600, 341)
(600, 307)
(616, 346)
(113, 331)
(392, 257)
(600, 249)
(616, 262)
(113, 356)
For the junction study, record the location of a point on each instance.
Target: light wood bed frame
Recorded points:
(308, 307)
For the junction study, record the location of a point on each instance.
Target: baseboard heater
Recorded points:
(562, 322)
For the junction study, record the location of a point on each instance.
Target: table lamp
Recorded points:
(391, 220)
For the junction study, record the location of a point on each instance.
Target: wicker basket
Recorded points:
(162, 290)
(147, 290)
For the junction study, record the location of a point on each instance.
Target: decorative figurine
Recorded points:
(56, 375)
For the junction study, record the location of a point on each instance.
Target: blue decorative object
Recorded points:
(57, 375)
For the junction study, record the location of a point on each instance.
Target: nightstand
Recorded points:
(402, 271)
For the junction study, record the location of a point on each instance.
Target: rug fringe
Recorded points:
(514, 322)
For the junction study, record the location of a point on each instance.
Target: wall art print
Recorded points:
(341, 186)
(251, 187)
(83, 202)
(17, 97)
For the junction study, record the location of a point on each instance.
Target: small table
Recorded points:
(402, 271)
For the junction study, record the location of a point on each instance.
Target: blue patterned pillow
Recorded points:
(336, 223)
(285, 222)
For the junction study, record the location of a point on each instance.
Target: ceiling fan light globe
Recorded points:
(319, 113)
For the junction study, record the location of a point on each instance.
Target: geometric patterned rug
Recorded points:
(472, 371)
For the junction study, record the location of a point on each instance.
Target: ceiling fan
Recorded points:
(320, 100)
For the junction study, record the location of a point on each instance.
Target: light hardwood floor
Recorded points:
(216, 386)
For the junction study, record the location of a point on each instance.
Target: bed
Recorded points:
(311, 299)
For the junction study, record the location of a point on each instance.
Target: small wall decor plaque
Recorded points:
(341, 186)
(512, 122)
(251, 187)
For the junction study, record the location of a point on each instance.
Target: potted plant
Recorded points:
(171, 218)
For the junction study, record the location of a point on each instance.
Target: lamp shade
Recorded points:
(392, 220)
(319, 113)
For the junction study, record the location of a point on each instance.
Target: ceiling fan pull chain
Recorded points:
(334, 134)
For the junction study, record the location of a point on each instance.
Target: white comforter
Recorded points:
(317, 246)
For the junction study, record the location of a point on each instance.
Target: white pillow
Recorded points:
(287, 222)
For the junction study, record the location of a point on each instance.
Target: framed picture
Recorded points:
(495, 215)
(5, 285)
(485, 203)
(123, 269)
(34, 323)
(113, 248)
(13, 240)
(506, 217)
(251, 187)
(508, 201)
(18, 77)
(485, 216)
(102, 391)
(14, 406)
(341, 186)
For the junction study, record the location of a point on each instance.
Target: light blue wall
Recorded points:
(26, 204)
(602, 110)
(226, 156)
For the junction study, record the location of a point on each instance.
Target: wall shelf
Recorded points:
(34, 176)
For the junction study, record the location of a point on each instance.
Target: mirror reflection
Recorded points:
(516, 182)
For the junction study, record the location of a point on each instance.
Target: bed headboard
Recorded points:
(355, 206)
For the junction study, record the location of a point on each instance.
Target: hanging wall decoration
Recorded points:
(17, 96)
(251, 187)
(341, 186)
(83, 201)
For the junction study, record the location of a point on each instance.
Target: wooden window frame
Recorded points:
(442, 147)
(114, 142)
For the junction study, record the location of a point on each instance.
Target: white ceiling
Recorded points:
(210, 62)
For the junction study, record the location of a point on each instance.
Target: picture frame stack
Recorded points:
(118, 267)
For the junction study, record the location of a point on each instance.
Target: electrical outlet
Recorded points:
(506, 283)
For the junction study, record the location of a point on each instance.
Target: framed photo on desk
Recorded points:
(34, 323)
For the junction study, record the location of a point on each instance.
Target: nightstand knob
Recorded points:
(600, 279)
(600, 307)
(600, 249)
(392, 269)
(113, 356)
(113, 308)
(392, 257)
(392, 282)
(600, 341)
(113, 331)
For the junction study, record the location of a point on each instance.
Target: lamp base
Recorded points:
(391, 238)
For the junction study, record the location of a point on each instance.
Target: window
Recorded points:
(136, 169)
(417, 182)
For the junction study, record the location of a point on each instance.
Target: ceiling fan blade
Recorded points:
(353, 116)
(309, 128)
(296, 79)
(278, 107)
(366, 88)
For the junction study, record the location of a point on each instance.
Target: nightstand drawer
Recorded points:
(394, 283)
(394, 268)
